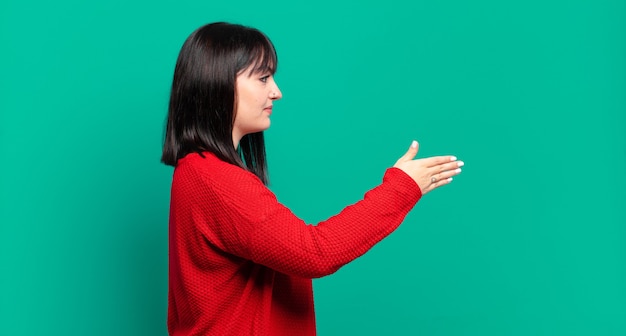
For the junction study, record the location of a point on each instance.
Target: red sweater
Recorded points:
(241, 263)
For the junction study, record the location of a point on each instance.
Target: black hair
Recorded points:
(202, 102)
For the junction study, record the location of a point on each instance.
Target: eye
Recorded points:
(264, 78)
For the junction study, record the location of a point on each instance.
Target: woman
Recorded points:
(240, 262)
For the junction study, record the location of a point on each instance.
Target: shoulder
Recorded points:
(211, 183)
(210, 169)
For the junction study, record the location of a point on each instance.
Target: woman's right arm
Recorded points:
(241, 216)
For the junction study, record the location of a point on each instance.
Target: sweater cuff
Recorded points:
(403, 183)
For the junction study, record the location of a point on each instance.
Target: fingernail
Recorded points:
(453, 158)
(458, 170)
(449, 179)
(414, 144)
(461, 163)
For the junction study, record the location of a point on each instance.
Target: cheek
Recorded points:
(250, 100)
(258, 100)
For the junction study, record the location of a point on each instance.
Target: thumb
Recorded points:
(411, 153)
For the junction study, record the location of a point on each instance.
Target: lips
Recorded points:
(268, 109)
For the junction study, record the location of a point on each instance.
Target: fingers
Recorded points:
(438, 184)
(448, 174)
(447, 166)
(441, 179)
(411, 153)
(446, 171)
(438, 160)
(429, 173)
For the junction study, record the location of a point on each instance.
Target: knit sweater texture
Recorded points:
(241, 263)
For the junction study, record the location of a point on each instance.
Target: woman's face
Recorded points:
(255, 96)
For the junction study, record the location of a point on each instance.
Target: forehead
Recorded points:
(261, 59)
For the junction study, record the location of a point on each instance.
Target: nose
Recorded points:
(275, 94)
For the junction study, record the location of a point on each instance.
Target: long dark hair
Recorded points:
(202, 102)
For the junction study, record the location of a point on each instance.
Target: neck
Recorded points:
(236, 140)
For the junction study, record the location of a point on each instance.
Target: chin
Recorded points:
(259, 129)
(267, 125)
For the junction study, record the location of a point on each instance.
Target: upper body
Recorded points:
(241, 263)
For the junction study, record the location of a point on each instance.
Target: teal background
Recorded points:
(529, 240)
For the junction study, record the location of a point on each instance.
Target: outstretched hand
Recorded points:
(429, 173)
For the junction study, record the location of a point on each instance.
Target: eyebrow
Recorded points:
(260, 68)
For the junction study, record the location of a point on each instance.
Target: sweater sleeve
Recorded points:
(237, 213)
